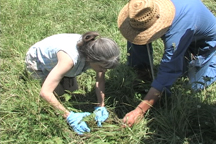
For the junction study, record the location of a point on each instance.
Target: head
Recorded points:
(143, 21)
(100, 51)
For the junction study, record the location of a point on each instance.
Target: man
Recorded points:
(188, 30)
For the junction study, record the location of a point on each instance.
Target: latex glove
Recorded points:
(101, 115)
(75, 121)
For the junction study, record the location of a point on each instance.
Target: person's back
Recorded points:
(193, 31)
(45, 51)
(195, 16)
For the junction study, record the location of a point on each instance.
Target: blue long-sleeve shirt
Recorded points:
(194, 28)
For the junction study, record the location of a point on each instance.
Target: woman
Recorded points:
(58, 59)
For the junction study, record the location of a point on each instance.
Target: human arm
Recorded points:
(64, 64)
(100, 88)
(74, 119)
(101, 113)
(137, 114)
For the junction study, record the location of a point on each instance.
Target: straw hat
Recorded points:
(143, 21)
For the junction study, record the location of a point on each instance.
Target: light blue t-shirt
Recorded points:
(45, 52)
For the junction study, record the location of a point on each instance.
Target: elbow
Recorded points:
(42, 93)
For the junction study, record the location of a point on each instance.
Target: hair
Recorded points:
(101, 50)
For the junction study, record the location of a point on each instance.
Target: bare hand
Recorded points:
(133, 117)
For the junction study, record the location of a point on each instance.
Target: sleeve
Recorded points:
(171, 66)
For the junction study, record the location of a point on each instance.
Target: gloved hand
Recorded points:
(101, 115)
(75, 121)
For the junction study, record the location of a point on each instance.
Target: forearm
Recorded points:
(149, 100)
(52, 100)
(100, 94)
(138, 113)
(100, 88)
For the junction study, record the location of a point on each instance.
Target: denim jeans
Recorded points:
(201, 71)
(202, 74)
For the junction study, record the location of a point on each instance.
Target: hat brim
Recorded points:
(159, 28)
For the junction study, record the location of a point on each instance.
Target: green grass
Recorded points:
(184, 118)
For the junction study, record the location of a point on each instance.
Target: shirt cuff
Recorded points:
(155, 84)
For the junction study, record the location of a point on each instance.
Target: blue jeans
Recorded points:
(201, 72)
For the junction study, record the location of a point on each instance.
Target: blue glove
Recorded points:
(101, 114)
(75, 121)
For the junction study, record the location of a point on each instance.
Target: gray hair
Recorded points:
(102, 50)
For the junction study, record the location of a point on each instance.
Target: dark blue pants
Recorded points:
(138, 55)
(201, 70)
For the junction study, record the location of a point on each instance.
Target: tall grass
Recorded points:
(184, 118)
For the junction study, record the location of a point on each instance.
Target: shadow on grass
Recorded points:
(183, 117)
(123, 91)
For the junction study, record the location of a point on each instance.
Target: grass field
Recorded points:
(184, 118)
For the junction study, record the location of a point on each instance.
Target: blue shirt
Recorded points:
(194, 28)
